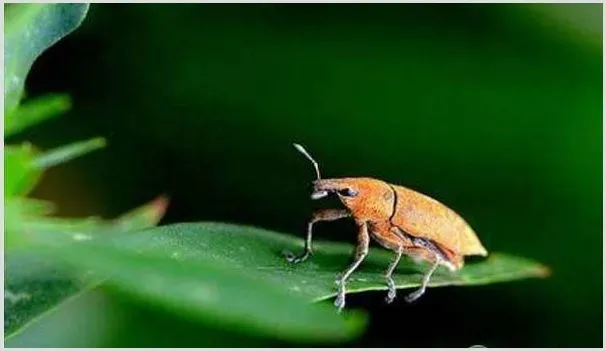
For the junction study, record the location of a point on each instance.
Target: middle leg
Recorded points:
(391, 294)
(385, 235)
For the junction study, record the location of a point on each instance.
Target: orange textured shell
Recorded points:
(416, 214)
(421, 216)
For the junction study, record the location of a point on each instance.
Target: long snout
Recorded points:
(319, 194)
(323, 187)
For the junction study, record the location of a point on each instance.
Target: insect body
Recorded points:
(400, 219)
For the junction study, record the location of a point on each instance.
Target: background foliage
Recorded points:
(493, 109)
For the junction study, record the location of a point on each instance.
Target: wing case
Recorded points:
(421, 216)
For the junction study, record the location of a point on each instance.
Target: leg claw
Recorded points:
(340, 302)
(414, 295)
(391, 295)
(292, 258)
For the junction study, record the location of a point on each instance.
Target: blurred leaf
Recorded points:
(84, 320)
(258, 253)
(23, 165)
(18, 213)
(35, 285)
(201, 270)
(34, 111)
(26, 222)
(581, 22)
(67, 153)
(29, 29)
(102, 318)
(19, 174)
(208, 291)
(142, 216)
(32, 207)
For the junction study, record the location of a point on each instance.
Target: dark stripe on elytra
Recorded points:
(395, 204)
(419, 242)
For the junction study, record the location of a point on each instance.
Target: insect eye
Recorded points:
(349, 192)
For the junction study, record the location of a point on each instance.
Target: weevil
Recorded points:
(399, 219)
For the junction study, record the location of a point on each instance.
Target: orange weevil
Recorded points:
(398, 218)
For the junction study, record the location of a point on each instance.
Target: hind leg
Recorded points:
(423, 254)
(417, 293)
(425, 250)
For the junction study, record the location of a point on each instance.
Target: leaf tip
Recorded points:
(158, 207)
(63, 102)
(542, 271)
(98, 142)
(160, 204)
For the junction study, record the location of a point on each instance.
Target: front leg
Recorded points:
(361, 252)
(321, 215)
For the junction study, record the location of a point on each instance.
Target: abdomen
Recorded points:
(421, 216)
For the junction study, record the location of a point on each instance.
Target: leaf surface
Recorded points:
(35, 284)
(29, 29)
(259, 253)
(34, 111)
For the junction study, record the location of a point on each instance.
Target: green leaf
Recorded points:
(90, 319)
(23, 165)
(258, 253)
(18, 213)
(209, 291)
(202, 289)
(34, 111)
(20, 176)
(29, 29)
(83, 320)
(141, 217)
(35, 285)
(235, 276)
(67, 152)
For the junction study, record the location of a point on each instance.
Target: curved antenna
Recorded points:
(302, 150)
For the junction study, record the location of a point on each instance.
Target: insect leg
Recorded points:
(417, 293)
(361, 252)
(388, 237)
(321, 215)
(391, 294)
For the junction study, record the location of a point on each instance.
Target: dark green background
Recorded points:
(495, 110)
